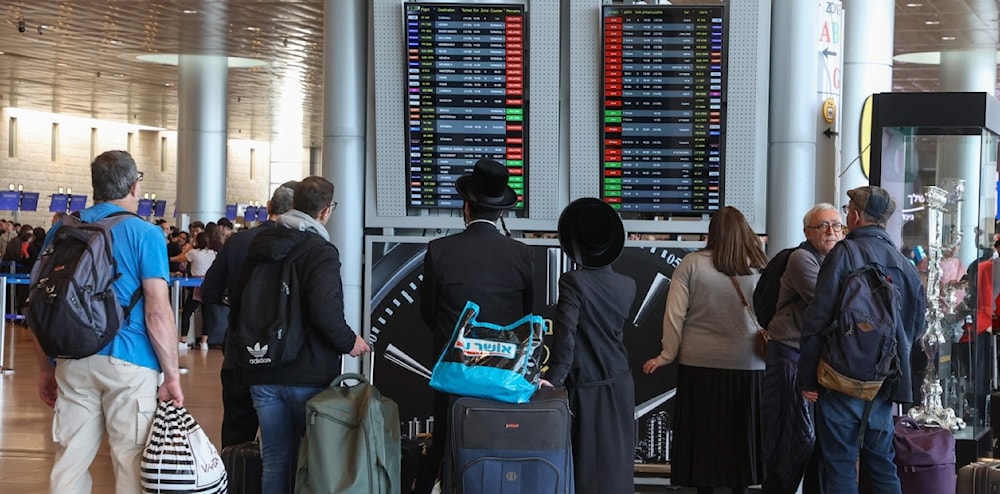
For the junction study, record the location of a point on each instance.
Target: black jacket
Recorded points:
(224, 275)
(327, 334)
(478, 264)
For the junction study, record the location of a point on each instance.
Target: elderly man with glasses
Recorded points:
(787, 425)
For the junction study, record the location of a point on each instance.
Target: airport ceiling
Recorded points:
(78, 57)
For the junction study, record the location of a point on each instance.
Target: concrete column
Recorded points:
(831, 67)
(202, 75)
(345, 94)
(868, 45)
(959, 157)
(792, 120)
(315, 160)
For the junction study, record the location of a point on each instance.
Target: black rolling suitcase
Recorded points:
(244, 468)
(979, 478)
(413, 462)
(509, 448)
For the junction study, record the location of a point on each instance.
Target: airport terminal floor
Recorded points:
(26, 452)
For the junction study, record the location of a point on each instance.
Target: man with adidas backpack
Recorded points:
(856, 345)
(106, 371)
(287, 330)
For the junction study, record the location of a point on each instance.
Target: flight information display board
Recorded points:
(466, 83)
(663, 120)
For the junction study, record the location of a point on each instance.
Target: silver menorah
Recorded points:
(932, 411)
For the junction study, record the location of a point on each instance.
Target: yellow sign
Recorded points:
(829, 110)
(865, 137)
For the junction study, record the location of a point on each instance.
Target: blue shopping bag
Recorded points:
(484, 360)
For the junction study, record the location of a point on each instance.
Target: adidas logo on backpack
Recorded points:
(258, 353)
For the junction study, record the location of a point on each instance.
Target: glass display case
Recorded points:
(936, 153)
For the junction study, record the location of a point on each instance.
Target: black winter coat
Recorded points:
(327, 334)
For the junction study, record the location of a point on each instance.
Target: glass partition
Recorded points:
(945, 180)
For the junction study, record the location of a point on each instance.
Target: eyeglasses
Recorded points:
(826, 227)
(845, 208)
(139, 176)
(333, 206)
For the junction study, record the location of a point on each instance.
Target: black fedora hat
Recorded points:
(591, 232)
(487, 186)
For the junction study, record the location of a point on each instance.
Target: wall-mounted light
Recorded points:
(145, 195)
(20, 187)
(61, 190)
(153, 196)
(11, 186)
(69, 190)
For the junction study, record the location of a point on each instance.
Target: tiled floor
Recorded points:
(26, 451)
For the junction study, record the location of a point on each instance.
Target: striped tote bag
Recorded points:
(179, 457)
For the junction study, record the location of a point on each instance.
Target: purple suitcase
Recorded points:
(925, 458)
(979, 478)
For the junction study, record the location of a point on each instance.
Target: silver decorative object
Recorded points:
(931, 411)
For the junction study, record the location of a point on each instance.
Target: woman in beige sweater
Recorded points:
(707, 329)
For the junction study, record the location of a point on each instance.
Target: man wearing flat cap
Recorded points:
(479, 264)
(839, 416)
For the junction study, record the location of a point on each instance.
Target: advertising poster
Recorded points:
(402, 342)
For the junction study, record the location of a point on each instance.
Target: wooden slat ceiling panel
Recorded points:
(83, 61)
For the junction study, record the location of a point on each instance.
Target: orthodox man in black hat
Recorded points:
(588, 349)
(479, 264)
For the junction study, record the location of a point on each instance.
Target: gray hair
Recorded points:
(819, 208)
(112, 175)
(281, 200)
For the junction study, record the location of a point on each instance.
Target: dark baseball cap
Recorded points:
(873, 200)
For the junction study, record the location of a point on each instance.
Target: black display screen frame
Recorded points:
(519, 181)
(675, 207)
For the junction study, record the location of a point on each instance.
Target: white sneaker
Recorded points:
(204, 346)
(182, 346)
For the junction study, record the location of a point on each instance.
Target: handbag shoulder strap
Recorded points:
(736, 285)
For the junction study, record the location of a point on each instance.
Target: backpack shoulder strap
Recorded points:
(110, 221)
(117, 217)
(857, 256)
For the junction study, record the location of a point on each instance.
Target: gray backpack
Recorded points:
(72, 307)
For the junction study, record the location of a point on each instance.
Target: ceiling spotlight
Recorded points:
(41, 29)
(21, 26)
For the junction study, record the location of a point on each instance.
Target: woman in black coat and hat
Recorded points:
(588, 352)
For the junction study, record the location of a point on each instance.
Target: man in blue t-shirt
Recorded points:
(115, 390)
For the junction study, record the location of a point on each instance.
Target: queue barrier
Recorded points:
(9, 280)
(7, 283)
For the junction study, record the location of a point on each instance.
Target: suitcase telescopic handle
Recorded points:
(344, 377)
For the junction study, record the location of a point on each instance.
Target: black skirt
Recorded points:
(716, 428)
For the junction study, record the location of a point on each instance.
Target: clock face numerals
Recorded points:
(403, 343)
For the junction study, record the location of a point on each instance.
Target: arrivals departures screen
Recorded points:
(466, 100)
(663, 121)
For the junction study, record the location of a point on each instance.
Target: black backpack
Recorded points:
(268, 331)
(72, 308)
(765, 294)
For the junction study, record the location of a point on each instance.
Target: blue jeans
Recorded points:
(838, 420)
(281, 410)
